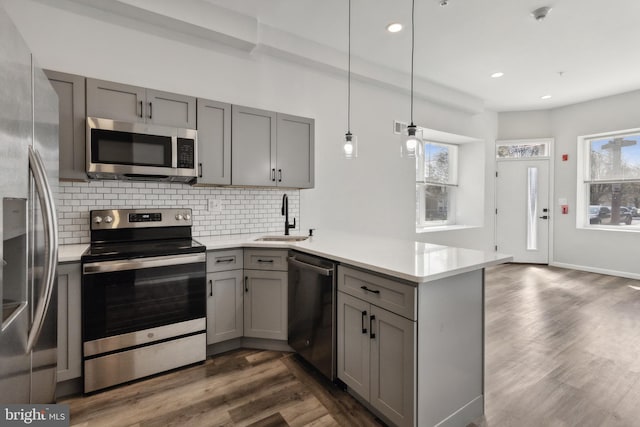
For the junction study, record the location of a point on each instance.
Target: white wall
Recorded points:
(373, 194)
(605, 251)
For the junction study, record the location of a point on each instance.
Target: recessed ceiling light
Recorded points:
(497, 75)
(545, 97)
(394, 27)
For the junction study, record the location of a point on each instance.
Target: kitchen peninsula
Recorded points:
(410, 321)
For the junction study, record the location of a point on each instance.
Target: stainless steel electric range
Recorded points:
(143, 295)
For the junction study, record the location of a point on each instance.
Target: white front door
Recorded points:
(522, 209)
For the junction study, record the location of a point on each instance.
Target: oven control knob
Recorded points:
(187, 217)
(97, 219)
(108, 219)
(179, 217)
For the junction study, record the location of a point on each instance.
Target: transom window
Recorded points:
(611, 180)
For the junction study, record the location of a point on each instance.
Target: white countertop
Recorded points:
(412, 261)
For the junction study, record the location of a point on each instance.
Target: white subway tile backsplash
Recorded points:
(244, 210)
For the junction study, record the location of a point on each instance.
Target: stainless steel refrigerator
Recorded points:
(29, 234)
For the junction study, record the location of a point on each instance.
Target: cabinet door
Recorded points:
(116, 101)
(170, 109)
(69, 338)
(265, 304)
(393, 366)
(224, 306)
(72, 130)
(353, 346)
(254, 146)
(214, 142)
(295, 166)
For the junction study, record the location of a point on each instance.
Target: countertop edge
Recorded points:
(72, 253)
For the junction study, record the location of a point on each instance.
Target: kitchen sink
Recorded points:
(281, 238)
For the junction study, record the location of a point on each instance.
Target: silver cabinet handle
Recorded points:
(324, 271)
(134, 264)
(51, 245)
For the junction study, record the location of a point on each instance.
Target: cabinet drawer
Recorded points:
(224, 260)
(394, 296)
(269, 259)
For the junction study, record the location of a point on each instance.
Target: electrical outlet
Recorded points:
(215, 206)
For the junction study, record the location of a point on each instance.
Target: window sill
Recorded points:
(619, 229)
(431, 229)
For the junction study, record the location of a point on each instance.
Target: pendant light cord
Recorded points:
(413, 30)
(349, 75)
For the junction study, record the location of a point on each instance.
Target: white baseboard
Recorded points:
(608, 272)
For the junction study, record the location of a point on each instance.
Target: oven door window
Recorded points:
(119, 302)
(126, 148)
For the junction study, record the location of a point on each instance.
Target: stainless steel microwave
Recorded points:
(138, 151)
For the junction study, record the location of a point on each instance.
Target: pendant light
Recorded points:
(350, 144)
(411, 146)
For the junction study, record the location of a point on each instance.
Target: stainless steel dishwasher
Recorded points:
(312, 311)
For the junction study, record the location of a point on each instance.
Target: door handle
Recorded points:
(372, 334)
(210, 288)
(544, 217)
(51, 245)
(364, 316)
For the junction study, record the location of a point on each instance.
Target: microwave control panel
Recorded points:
(186, 153)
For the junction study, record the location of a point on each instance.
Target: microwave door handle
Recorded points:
(174, 151)
(45, 196)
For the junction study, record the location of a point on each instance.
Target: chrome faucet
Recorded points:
(285, 212)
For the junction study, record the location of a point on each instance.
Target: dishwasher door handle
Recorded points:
(321, 270)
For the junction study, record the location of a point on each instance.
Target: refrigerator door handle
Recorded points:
(45, 196)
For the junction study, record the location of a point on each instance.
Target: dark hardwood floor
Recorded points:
(562, 349)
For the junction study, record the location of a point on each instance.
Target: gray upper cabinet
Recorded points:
(128, 103)
(295, 151)
(271, 149)
(171, 109)
(254, 146)
(72, 135)
(214, 142)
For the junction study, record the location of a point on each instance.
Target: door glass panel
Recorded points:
(532, 209)
(13, 273)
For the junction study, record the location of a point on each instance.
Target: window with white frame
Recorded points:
(436, 181)
(611, 180)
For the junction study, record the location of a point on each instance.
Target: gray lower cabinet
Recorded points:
(72, 134)
(69, 320)
(214, 142)
(117, 101)
(271, 149)
(224, 295)
(224, 306)
(376, 352)
(265, 293)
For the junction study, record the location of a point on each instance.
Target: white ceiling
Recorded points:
(594, 43)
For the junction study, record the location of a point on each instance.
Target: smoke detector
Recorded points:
(541, 13)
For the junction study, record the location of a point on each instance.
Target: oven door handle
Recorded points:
(138, 263)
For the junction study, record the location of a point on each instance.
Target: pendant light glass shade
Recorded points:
(412, 142)
(350, 146)
(350, 143)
